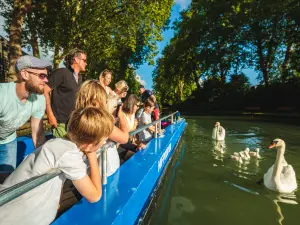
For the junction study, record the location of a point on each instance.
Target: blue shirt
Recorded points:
(14, 113)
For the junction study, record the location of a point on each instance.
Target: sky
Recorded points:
(144, 72)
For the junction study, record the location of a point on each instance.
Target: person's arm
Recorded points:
(51, 118)
(90, 187)
(120, 135)
(37, 132)
(145, 121)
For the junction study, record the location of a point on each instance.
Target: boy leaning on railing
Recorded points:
(88, 130)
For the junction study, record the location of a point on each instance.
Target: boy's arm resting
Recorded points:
(90, 187)
(37, 131)
(51, 118)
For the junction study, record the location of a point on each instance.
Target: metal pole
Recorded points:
(159, 126)
(155, 130)
(172, 119)
(104, 166)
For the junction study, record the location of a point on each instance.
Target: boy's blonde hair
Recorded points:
(89, 125)
(112, 102)
(122, 86)
(91, 93)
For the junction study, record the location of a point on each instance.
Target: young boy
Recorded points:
(88, 129)
(147, 134)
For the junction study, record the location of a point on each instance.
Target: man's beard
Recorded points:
(32, 88)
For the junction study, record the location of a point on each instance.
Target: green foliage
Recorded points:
(114, 33)
(218, 39)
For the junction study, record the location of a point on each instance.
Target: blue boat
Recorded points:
(130, 189)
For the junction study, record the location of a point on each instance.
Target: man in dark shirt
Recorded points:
(148, 94)
(63, 85)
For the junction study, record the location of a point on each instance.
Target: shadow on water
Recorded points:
(207, 187)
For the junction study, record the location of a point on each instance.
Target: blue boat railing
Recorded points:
(19, 189)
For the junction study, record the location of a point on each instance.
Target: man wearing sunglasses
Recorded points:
(20, 101)
(61, 90)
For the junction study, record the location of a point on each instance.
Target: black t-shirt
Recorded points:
(63, 95)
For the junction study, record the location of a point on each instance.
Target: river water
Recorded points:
(205, 187)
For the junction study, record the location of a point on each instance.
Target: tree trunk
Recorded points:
(181, 85)
(56, 58)
(222, 73)
(33, 35)
(34, 43)
(284, 65)
(262, 64)
(21, 7)
(196, 79)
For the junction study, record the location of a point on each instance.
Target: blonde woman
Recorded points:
(88, 129)
(91, 93)
(105, 78)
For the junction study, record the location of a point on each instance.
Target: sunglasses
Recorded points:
(42, 76)
(84, 60)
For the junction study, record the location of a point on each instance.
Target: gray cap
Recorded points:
(29, 61)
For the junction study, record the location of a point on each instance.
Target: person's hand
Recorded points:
(52, 121)
(141, 146)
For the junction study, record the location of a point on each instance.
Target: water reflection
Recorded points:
(179, 205)
(285, 199)
(218, 149)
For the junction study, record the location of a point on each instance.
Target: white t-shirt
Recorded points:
(14, 113)
(113, 159)
(145, 135)
(39, 206)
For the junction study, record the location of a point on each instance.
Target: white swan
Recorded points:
(246, 153)
(281, 176)
(218, 132)
(236, 158)
(255, 153)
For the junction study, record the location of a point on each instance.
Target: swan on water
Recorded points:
(281, 176)
(255, 153)
(246, 153)
(218, 132)
(237, 157)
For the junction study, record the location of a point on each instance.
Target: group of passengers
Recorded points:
(83, 117)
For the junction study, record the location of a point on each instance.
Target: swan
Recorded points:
(243, 155)
(218, 132)
(255, 153)
(237, 157)
(246, 153)
(281, 176)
